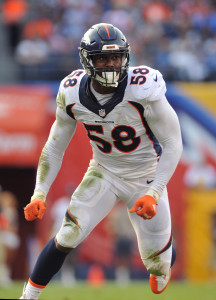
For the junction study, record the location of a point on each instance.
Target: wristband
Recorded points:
(153, 194)
(39, 195)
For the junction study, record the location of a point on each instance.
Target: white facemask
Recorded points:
(108, 78)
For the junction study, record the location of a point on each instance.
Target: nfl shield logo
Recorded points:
(102, 113)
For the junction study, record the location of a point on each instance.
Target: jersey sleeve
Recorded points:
(52, 154)
(163, 122)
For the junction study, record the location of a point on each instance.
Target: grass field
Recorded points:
(110, 291)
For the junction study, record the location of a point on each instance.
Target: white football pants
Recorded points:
(94, 198)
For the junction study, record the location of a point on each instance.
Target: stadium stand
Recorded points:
(176, 37)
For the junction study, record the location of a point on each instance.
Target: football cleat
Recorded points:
(159, 283)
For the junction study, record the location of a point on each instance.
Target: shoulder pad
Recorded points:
(69, 87)
(73, 78)
(146, 83)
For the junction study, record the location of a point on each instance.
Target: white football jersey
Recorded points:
(120, 136)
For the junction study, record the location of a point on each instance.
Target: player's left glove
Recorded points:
(146, 206)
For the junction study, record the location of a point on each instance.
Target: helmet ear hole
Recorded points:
(99, 39)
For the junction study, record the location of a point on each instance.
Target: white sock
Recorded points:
(32, 292)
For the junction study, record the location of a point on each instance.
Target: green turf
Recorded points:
(110, 291)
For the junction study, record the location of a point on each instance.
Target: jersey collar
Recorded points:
(88, 99)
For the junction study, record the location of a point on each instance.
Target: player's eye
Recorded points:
(101, 58)
(116, 57)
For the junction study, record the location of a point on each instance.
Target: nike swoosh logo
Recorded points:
(149, 181)
(155, 79)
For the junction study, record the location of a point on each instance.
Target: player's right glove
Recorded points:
(36, 208)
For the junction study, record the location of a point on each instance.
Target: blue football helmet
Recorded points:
(104, 39)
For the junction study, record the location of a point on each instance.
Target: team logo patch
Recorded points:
(102, 112)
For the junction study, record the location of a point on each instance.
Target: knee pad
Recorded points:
(69, 234)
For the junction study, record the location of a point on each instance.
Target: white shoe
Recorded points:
(159, 283)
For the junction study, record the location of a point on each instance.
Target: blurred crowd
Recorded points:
(9, 235)
(177, 37)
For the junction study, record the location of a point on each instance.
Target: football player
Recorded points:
(136, 142)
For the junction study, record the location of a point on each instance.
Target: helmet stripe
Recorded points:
(107, 30)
